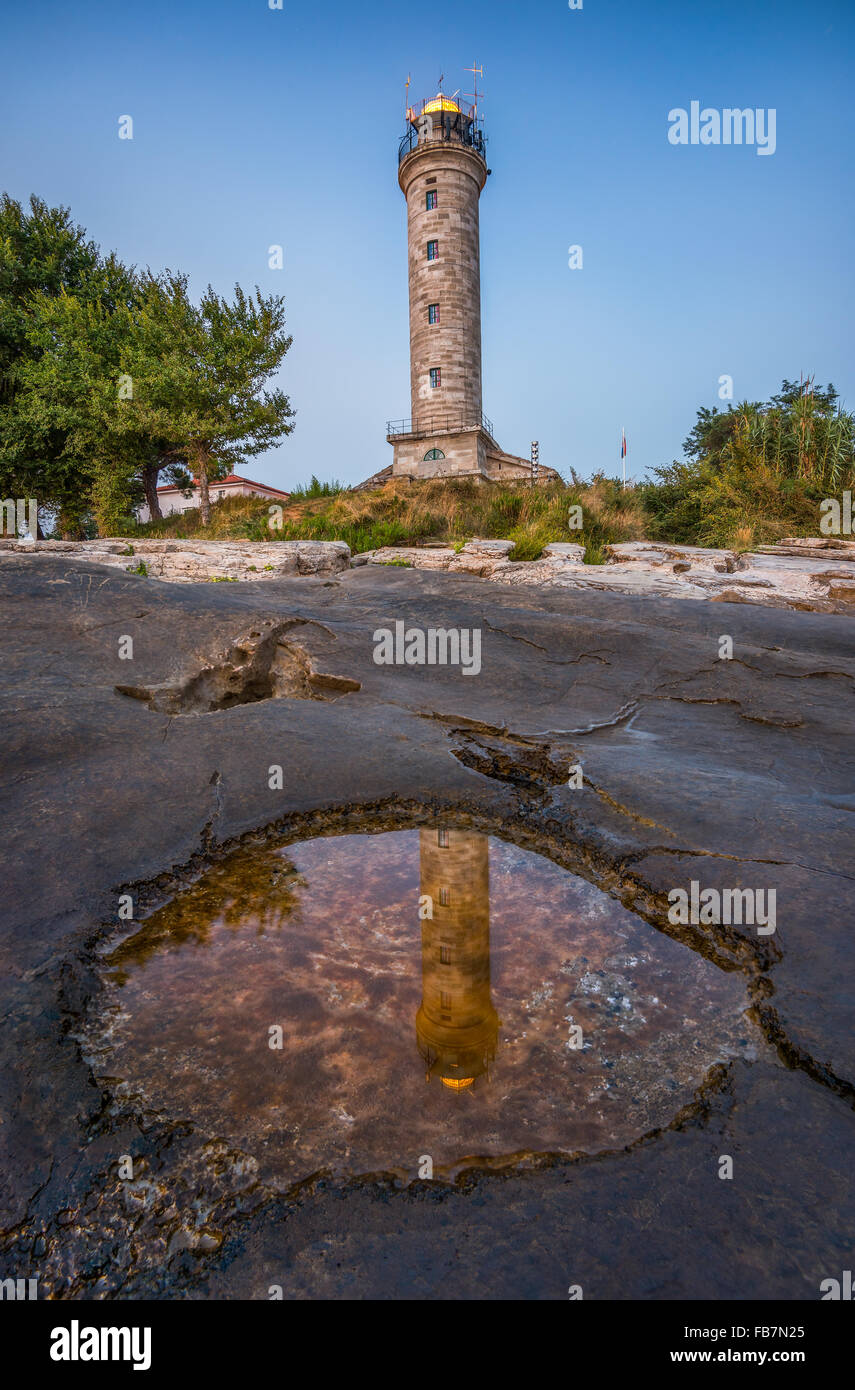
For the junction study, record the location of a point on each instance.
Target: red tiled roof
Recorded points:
(232, 478)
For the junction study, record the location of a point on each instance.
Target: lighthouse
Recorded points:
(442, 172)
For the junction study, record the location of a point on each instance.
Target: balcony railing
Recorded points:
(440, 424)
(446, 126)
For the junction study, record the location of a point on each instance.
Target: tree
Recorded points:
(110, 378)
(69, 386)
(41, 251)
(199, 375)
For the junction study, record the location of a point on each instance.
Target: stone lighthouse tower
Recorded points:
(442, 170)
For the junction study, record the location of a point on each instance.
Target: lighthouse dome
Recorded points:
(441, 103)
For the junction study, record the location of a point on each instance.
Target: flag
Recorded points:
(622, 445)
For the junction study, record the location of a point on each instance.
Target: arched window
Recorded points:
(433, 454)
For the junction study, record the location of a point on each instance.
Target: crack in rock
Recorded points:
(530, 764)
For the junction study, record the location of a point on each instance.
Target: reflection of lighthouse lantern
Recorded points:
(456, 1026)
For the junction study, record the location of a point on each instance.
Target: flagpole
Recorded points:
(623, 452)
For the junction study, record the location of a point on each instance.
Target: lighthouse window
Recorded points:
(444, 1000)
(430, 199)
(442, 839)
(433, 250)
(433, 454)
(435, 376)
(444, 897)
(433, 313)
(445, 955)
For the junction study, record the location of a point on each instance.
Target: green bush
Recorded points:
(756, 472)
(315, 488)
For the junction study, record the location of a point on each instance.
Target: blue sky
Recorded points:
(254, 127)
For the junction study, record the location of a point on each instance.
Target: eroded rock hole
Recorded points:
(260, 667)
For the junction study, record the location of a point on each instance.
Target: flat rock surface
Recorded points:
(180, 561)
(807, 577)
(132, 775)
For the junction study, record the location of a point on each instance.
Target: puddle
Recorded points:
(406, 1034)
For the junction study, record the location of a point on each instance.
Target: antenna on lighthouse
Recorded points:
(476, 73)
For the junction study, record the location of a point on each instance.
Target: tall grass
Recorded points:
(757, 472)
(233, 518)
(451, 511)
(455, 511)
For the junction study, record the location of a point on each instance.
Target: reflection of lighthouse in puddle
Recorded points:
(456, 1026)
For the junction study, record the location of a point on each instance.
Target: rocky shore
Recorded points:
(183, 562)
(816, 575)
(807, 575)
(131, 777)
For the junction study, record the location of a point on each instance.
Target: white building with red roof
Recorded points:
(173, 500)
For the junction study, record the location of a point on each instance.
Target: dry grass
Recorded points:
(453, 511)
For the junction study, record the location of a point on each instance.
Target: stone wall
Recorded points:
(464, 453)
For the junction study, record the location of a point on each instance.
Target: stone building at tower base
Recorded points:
(465, 452)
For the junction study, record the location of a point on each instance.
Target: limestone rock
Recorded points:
(564, 550)
(733, 773)
(198, 560)
(785, 577)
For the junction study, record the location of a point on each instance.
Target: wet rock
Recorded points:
(731, 773)
(654, 1222)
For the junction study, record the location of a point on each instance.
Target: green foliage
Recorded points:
(595, 553)
(317, 489)
(41, 252)
(757, 471)
(358, 535)
(71, 385)
(110, 378)
(199, 375)
(448, 510)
